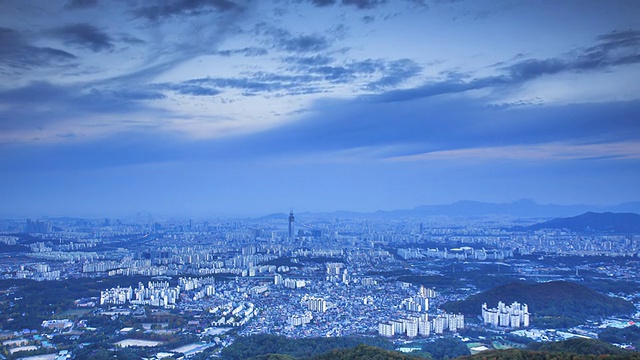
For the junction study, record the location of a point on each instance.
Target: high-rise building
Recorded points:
(277, 279)
(291, 225)
(411, 325)
(41, 227)
(317, 304)
(386, 329)
(438, 325)
(424, 327)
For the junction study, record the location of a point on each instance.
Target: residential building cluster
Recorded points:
(233, 315)
(420, 325)
(300, 319)
(315, 303)
(514, 316)
(158, 293)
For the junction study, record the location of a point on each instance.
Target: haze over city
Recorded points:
(250, 107)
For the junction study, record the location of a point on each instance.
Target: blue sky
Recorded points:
(218, 107)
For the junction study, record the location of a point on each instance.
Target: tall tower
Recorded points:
(291, 225)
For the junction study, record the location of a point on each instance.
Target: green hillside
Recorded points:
(266, 344)
(579, 346)
(262, 348)
(556, 303)
(627, 335)
(517, 354)
(364, 352)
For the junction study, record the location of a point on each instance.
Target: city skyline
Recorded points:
(237, 107)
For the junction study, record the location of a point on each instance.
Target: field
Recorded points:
(135, 342)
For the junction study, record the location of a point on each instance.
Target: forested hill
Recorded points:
(572, 349)
(259, 345)
(561, 300)
(518, 354)
(579, 346)
(364, 352)
(591, 222)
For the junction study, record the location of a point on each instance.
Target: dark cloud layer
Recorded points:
(301, 43)
(284, 40)
(359, 4)
(421, 126)
(39, 104)
(163, 9)
(364, 4)
(247, 51)
(16, 52)
(425, 125)
(80, 4)
(85, 36)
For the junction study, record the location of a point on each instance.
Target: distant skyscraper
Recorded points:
(291, 225)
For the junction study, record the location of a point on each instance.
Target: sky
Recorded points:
(232, 107)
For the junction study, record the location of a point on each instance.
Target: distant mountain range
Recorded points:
(518, 209)
(590, 222)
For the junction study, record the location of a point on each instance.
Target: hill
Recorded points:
(555, 304)
(591, 222)
(517, 354)
(579, 346)
(258, 346)
(573, 349)
(364, 352)
(627, 335)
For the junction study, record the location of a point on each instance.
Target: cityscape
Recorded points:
(211, 282)
(319, 179)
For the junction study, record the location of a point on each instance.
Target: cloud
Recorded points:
(80, 4)
(396, 72)
(436, 124)
(348, 72)
(614, 49)
(247, 51)
(368, 19)
(307, 75)
(323, 2)
(44, 107)
(317, 60)
(360, 129)
(282, 39)
(191, 89)
(535, 152)
(256, 83)
(386, 73)
(18, 54)
(360, 4)
(84, 35)
(618, 39)
(303, 43)
(364, 4)
(185, 8)
(447, 86)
